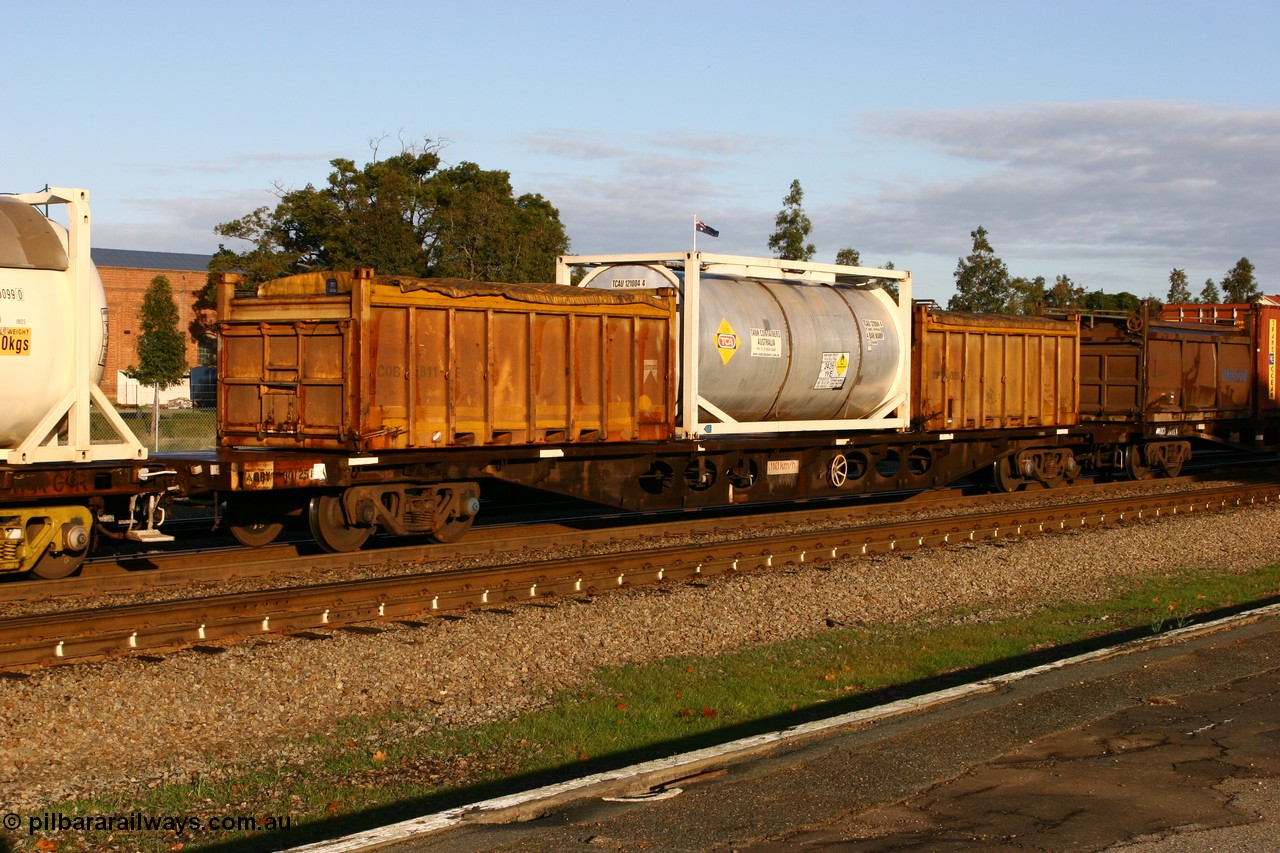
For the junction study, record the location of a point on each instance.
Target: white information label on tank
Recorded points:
(831, 375)
(106, 333)
(15, 340)
(766, 343)
(872, 333)
(779, 467)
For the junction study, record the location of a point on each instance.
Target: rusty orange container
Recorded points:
(358, 362)
(1161, 371)
(1266, 339)
(989, 371)
(1263, 321)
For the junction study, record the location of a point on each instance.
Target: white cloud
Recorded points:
(1143, 181)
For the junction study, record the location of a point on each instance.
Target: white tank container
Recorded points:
(37, 349)
(785, 350)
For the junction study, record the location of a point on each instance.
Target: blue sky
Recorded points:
(1107, 141)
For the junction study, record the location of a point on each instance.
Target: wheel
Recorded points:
(838, 470)
(256, 535)
(329, 527)
(1003, 475)
(52, 566)
(453, 530)
(1134, 465)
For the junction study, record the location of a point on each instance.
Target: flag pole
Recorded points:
(695, 233)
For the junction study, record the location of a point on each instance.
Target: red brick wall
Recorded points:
(125, 289)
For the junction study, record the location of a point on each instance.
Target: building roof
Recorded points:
(131, 259)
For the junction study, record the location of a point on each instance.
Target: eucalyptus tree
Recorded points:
(1179, 290)
(791, 228)
(982, 279)
(1239, 285)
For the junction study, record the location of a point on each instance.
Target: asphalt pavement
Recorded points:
(1172, 746)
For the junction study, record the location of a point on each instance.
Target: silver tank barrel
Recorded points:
(786, 350)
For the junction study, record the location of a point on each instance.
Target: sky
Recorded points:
(1107, 141)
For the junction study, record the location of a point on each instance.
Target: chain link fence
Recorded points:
(182, 427)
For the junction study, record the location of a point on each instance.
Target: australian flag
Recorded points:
(699, 225)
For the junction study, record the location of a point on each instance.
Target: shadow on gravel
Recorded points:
(372, 818)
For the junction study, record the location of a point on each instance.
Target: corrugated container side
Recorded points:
(415, 367)
(1266, 333)
(986, 372)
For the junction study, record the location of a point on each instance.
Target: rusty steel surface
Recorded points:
(1161, 371)
(975, 371)
(382, 363)
(1263, 323)
(23, 483)
(86, 634)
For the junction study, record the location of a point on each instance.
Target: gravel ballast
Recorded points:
(139, 721)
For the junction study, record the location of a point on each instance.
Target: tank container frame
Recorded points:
(894, 414)
(44, 444)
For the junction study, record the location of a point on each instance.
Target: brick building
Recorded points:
(126, 275)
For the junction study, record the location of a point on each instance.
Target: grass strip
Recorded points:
(368, 771)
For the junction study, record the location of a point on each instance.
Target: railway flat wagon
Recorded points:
(363, 401)
(1009, 379)
(384, 402)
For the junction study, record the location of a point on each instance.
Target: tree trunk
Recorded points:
(155, 419)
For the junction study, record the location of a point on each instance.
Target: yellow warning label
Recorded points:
(15, 340)
(832, 372)
(726, 341)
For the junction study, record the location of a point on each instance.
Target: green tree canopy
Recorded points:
(1209, 294)
(1179, 289)
(982, 279)
(849, 257)
(889, 284)
(1064, 294)
(1239, 285)
(1025, 295)
(1122, 301)
(792, 228)
(162, 348)
(403, 215)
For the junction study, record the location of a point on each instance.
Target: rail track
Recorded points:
(158, 571)
(78, 635)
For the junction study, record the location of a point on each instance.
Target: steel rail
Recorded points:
(86, 634)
